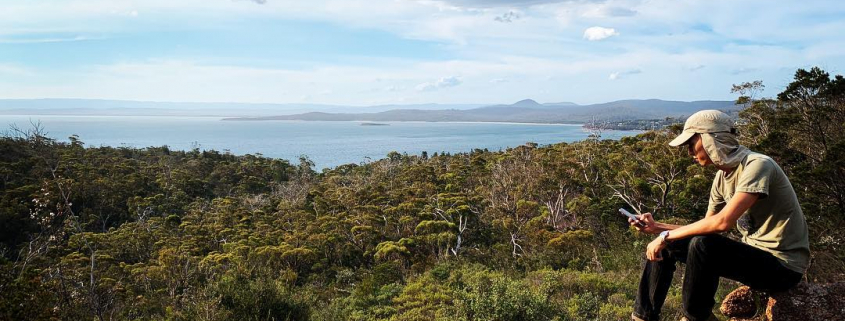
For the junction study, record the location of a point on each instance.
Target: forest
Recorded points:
(527, 233)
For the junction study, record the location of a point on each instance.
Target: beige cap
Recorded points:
(705, 121)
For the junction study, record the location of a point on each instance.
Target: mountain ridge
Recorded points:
(527, 111)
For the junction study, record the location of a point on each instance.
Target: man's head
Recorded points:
(708, 122)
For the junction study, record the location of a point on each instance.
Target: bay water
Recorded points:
(326, 143)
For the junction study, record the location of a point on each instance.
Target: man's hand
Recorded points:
(652, 253)
(649, 226)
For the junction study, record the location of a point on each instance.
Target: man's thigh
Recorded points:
(744, 263)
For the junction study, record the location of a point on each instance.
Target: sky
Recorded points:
(376, 52)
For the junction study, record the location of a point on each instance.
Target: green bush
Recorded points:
(259, 299)
(494, 296)
(583, 306)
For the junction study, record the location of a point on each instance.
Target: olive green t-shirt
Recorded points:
(775, 223)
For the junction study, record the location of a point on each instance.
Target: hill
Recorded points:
(527, 111)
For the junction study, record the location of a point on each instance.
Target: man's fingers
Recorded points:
(653, 256)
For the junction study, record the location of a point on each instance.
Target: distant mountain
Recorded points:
(528, 111)
(527, 103)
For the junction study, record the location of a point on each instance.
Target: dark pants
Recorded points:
(707, 258)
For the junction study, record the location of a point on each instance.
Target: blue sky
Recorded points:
(356, 52)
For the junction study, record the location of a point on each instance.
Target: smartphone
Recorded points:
(632, 216)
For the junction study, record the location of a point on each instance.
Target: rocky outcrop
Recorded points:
(805, 302)
(741, 304)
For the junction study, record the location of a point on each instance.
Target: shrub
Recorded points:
(260, 300)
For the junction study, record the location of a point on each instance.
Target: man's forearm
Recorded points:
(669, 227)
(707, 225)
(666, 226)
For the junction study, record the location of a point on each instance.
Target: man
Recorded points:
(750, 191)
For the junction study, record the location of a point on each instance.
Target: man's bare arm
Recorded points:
(719, 222)
(658, 226)
(667, 226)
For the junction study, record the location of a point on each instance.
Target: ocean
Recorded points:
(326, 143)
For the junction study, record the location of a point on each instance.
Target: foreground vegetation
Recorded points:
(530, 233)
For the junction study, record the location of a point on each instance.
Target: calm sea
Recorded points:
(328, 144)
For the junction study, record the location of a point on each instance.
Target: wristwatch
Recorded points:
(663, 237)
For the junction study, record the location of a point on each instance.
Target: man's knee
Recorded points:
(702, 243)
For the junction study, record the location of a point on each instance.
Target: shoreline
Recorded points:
(225, 118)
(411, 122)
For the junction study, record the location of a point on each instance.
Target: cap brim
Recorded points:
(681, 139)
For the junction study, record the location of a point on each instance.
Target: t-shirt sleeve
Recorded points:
(757, 177)
(717, 200)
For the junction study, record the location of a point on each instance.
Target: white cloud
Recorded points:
(599, 33)
(509, 16)
(617, 75)
(445, 82)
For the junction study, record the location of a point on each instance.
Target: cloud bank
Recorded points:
(549, 50)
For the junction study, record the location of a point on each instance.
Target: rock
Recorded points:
(808, 302)
(805, 302)
(741, 303)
